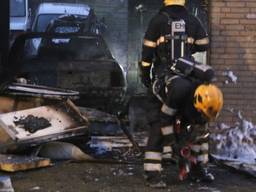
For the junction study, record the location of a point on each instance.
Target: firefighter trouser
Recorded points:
(200, 146)
(160, 138)
(161, 134)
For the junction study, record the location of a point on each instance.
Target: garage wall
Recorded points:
(115, 14)
(140, 13)
(233, 55)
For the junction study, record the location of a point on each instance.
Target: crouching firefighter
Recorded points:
(182, 89)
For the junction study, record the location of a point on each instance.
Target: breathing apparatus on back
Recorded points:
(179, 60)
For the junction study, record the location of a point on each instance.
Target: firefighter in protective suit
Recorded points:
(173, 34)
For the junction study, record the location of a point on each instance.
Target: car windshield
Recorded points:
(75, 48)
(66, 29)
(44, 20)
(18, 8)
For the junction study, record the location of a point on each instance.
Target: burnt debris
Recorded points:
(32, 124)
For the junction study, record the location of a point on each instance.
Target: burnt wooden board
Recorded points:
(13, 163)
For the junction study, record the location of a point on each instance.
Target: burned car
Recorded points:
(79, 62)
(75, 24)
(46, 12)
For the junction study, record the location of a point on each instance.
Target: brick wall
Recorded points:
(233, 48)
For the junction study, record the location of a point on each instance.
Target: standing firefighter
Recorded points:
(187, 100)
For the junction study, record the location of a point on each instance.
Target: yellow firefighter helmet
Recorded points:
(208, 99)
(174, 2)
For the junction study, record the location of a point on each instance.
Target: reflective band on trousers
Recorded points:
(149, 43)
(153, 156)
(152, 167)
(196, 148)
(167, 110)
(167, 149)
(205, 147)
(203, 41)
(168, 130)
(145, 64)
(203, 158)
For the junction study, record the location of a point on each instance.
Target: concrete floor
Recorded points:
(92, 177)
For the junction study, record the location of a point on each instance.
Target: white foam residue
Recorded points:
(231, 77)
(210, 189)
(223, 126)
(237, 142)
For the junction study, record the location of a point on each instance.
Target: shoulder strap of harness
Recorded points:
(168, 17)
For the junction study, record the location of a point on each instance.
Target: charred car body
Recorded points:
(49, 12)
(74, 24)
(46, 12)
(71, 57)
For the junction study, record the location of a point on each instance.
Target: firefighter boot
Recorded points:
(199, 173)
(154, 179)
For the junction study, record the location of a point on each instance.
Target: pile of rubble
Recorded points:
(43, 124)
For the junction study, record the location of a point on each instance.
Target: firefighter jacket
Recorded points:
(155, 48)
